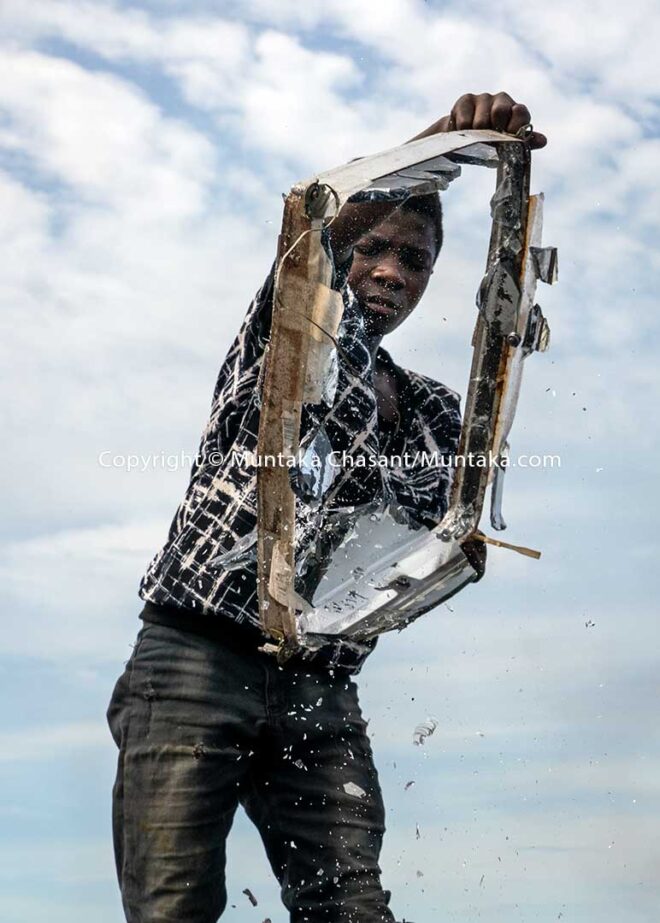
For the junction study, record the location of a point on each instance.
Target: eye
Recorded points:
(367, 248)
(415, 262)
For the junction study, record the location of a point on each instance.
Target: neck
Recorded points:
(373, 344)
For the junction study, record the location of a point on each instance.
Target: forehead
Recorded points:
(406, 228)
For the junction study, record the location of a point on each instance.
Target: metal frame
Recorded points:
(429, 565)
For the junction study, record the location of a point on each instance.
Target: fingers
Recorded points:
(536, 140)
(519, 116)
(462, 112)
(482, 111)
(498, 112)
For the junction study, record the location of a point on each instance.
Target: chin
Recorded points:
(376, 324)
(379, 323)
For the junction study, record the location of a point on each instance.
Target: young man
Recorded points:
(204, 720)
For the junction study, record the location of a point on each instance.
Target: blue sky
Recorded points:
(143, 150)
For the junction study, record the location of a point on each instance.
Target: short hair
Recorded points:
(430, 206)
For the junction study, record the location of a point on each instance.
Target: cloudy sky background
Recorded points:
(144, 150)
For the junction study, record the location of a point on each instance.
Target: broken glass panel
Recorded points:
(352, 557)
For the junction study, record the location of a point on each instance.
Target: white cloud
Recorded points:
(51, 743)
(104, 139)
(601, 42)
(292, 97)
(121, 33)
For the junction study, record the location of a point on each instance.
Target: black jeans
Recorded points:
(203, 726)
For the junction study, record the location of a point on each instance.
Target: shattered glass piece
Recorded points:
(479, 155)
(440, 164)
(330, 379)
(403, 187)
(496, 518)
(357, 599)
(390, 573)
(502, 193)
(316, 541)
(499, 296)
(313, 474)
(537, 333)
(503, 205)
(545, 263)
(513, 243)
(380, 195)
(415, 182)
(433, 175)
(352, 789)
(424, 730)
(243, 552)
(401, 515)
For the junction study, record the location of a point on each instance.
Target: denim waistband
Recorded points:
(244, 639)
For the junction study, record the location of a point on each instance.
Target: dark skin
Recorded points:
(394, 251)
(392, 265)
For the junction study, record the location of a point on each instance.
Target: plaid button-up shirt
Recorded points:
(208, 563)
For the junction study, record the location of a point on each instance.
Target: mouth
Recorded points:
(381, 305)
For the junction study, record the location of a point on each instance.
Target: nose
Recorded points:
(387, 272)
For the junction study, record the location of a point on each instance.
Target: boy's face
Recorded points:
(391, 267)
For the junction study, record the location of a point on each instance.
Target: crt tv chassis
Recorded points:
(366, 594)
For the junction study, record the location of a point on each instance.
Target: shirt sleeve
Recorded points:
(246, 352)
